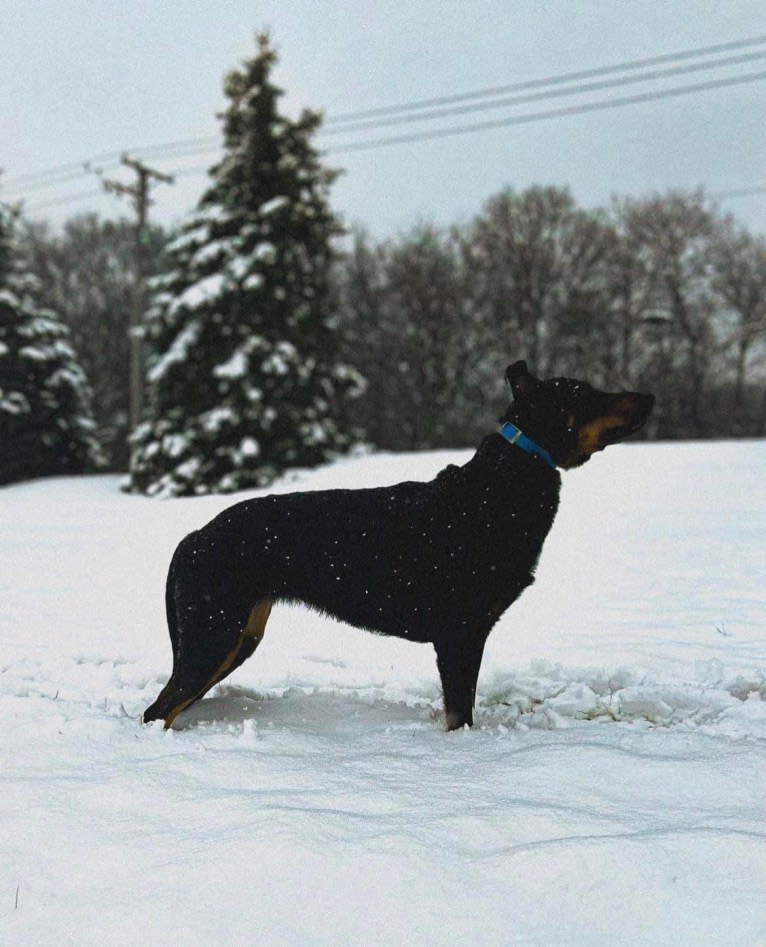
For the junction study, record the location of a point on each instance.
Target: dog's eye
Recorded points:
(571, 422)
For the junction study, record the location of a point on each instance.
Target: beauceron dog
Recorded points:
(434, 562)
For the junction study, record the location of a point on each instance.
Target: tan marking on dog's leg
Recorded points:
(220, 672)
(255, 628)
(177, 710)
(256, 623)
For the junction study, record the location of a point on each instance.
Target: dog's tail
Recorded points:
(170, 604)
(159, 707)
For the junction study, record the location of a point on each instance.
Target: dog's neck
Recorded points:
(496, 453)
(514, 435)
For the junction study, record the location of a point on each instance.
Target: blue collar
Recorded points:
(514, 436)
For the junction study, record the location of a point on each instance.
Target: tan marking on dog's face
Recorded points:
(590, 437)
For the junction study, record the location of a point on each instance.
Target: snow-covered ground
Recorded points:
(613, 790)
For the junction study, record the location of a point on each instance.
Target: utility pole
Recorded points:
(139, 193)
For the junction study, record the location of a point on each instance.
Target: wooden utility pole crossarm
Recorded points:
(139, 192)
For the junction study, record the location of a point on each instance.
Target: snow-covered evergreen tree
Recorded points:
(244, 375)
(46, 425)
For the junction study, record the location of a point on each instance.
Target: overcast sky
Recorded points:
(79, 79)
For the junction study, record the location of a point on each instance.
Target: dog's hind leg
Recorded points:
(202, 660)
(459, 660)
(212, 623)
(249, 639)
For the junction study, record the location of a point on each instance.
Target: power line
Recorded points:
(582, 108)
(70, 172)
(629, 65)
(54, 181)
(527, 118)
(84, 195)
(550, 113)
(185, 172)
(198, 146)
(67, 199)
(76, 168)
(195, 146)
(190, 146)
(60, 174)
(717, 196)
(547, 94)
(181, 145)
(739, 192)
(732, 194)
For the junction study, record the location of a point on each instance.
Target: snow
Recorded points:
(277, 363)
(611, 792)
(249, 447)
(211, 252)
(37, 354)
(8, 298)
(14, 402)
(274, 204)
(212, 214)
(313, 433)
(200, 293)
(213, 420)
(175, 444)
(193, 236)
(37, 325)
(240, 266)
(264, 251)
(65, 377)
(177, 352)
(189, 468)
(254, 281)
(234, 367)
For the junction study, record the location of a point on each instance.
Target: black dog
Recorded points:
(438, 561)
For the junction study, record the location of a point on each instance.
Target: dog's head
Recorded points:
(571, 419)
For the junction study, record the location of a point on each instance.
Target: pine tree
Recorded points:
(46, 425)
(87, 275)
(244, 377)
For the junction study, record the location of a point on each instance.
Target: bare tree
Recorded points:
(409, 332)
(540, 270)
(367, 341)
(674, 233)
(738, 262)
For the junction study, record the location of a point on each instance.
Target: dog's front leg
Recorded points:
(459, 659)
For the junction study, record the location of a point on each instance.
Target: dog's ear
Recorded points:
(519, 379)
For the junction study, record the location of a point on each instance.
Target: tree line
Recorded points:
(663, 293)
(273, 338)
